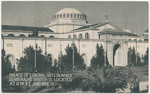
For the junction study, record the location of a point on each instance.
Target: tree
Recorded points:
(98, 59)
(146, 57)
(66, 61)
(26, 63)
(133, 56)
(6, 65)
(129, 56)
(104, 79)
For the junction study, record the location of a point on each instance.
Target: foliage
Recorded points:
(55, 68)
(133, 58)
(101, 79)
(6, 64)
(107, 79)
(66, 61)
(98, 59)
(26, 63)
(146, 57)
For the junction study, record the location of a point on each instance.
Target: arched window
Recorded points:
(42, 36)
(74, 36)
(78, 16)
(80, 36)
(51, 36)
(129, 39)
(11, 35)
(140, 40)
(22, 35)
(60, 16)
(135, 40)
(67, 15)
(87, 36)
(63, 15)
(69, 36)
(57, 16)
(70, 15)
(74, 15)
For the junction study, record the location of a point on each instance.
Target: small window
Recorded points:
(60, 16)
(57, 16)
(80, 36)
(78, 16)
(74, 15)
(51, 36)
(70, 15)
(64, 16)
(9, 45)
(67, 15)
(74, 36)
(87, 36)
(129, 39)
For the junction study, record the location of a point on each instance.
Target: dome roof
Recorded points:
(68, 11)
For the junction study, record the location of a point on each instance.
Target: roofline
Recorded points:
(25, 28)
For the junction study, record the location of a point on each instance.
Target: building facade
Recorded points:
(71, 26)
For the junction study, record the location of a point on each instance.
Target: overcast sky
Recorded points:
(133, 15)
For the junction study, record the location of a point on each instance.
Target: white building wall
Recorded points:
(141, 46)
(15, 47)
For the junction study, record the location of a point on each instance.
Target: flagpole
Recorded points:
(35, 48)
(136, 46)
(106, 39)
(73, 42)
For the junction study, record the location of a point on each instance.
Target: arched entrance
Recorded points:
(117, 54)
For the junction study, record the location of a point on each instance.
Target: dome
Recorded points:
(65, 19)
(68, 11)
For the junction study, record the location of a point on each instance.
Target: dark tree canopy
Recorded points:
(135, 59)
(66, 61)
(6, 65)
(99, 58)
(146, 57)
(26, 63)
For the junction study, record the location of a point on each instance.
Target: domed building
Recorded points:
(66, 20)
(71, 26)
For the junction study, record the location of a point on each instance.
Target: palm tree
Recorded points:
(102, 79)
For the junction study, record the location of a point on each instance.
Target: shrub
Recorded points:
(107, 79)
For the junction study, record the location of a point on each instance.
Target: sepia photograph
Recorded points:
(74, 47)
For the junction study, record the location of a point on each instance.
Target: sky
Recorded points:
(126, 15)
